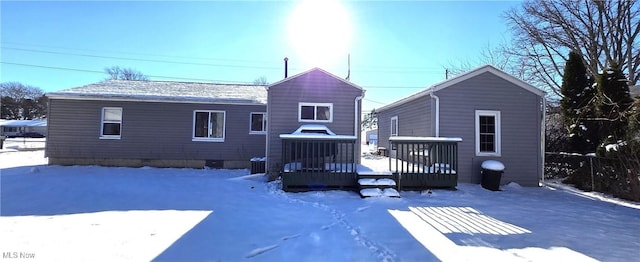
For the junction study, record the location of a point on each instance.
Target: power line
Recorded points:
(186, 78)
(138, 54)
(370, 69)
(142, 60)
(175, 78)
(393, 87)
(376, 102)
(102, 72)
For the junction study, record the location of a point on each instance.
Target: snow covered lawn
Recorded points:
(89, 213)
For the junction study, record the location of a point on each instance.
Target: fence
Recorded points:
(592, 173)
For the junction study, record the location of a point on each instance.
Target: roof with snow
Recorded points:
(465, 76)
(166, 91)
(23, 123)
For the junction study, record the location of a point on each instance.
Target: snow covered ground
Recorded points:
(90, 213)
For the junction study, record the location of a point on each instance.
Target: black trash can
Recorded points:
(491, 174)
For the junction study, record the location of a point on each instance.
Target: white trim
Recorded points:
(209, 139)
(498, 134)
(392, 127)
(425, 139)
(437, 99)
(103, 121)
(264, 123)
(315, 110)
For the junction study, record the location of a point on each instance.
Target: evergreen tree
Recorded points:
(614, 102)
(577, 105)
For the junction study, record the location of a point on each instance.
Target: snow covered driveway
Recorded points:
(55, 213)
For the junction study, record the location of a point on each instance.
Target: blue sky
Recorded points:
(396, 48)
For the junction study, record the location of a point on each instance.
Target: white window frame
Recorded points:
(394, 128)
(103, 121)
(209, 139)
(498, 135)
(315, 105)
(264, 123)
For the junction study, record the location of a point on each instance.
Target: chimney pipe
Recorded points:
(286, 65)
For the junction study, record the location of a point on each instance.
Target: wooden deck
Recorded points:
(330, 164)
(420, 163)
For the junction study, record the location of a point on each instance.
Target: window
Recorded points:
(258, 124)
(487, 133)
(208, 126)
(111, 124)
(394, 126)
(315, 112)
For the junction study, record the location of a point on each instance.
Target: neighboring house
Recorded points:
(371, 137)
(15, 127)
(314, 98)
(497, 116)
(155, 123)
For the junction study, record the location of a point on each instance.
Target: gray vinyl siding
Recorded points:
(520, 126)
(312, 87)
(520, 116)
(414, 119)
(150, 130)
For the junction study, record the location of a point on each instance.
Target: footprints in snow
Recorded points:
(262, 250)
(339, 218)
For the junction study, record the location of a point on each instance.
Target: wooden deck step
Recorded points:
(377, 192)
(376, 182)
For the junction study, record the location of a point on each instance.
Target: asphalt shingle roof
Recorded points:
(166, 91)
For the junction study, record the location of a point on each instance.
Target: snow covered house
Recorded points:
(10, 128)
(489, 113)
(155, 123)
(313, 135)
(307, 125)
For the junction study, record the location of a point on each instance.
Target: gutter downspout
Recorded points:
(356, 125)
(437, 113)
(266, 139)
(543, 136)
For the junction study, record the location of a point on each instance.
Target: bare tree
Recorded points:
(117, 73)
(489, 55)
(601, 31)
(370, 121)
(261, 81)
(22, 101)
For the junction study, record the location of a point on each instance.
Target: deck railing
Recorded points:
(424, 162)
(318, 163)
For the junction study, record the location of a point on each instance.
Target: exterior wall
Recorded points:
(152, 132)
(521, 117)
(414, 119)
(313, 87)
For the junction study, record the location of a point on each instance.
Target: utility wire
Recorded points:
(102, 72)
(143, 60)
(185, 78)
(138, 54)
(379, 69)
(376, 102)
